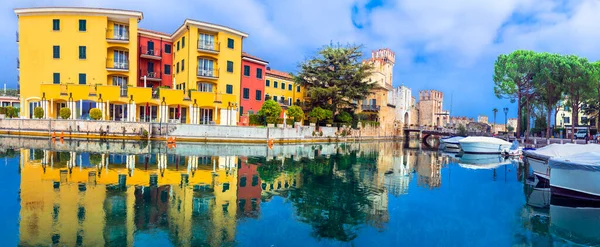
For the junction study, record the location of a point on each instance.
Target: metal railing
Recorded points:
(370, 107)
(112, 64)
(208, 46)
(150, 74)
(214, 73)
(111, 34)
(17, 33)
(144, 50)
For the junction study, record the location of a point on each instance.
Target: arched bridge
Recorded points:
(425, 133)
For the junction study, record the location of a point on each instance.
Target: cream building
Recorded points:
(377, 102)
(401, 98)
(430, 109)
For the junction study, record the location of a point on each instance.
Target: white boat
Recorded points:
(484, 145)
(482, 161)
(538, 159)
(451, 143)
(576, 176)
(575, 224)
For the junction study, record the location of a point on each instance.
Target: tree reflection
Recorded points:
(332, 199)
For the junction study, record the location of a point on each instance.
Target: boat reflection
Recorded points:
(482, 161)
(575, 221)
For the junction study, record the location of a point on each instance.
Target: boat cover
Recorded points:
(560, 150)
(453, 140)
(483, 139)
(589, 161)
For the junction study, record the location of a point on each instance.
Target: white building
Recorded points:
(401, 98)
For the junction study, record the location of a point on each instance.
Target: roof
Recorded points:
(246, 55)
(154, 33)
(279, 74)
(81, 10)
(208, 26)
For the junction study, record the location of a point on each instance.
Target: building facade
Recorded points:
(280, 87)
(155, 60)
(431, 111)
(253, 84)
(377, 102)
(483, 119)
(401, 97)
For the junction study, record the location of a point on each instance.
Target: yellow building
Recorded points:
(280, 86)
(84, 58)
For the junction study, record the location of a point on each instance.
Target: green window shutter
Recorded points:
(246, 70)
(275, 84)
(82, 52)
(178, 45)
(241, 110)
(268, 84)
(56, 51)
(56, 24)
(259, 73)
(56, 78)
(182, 64)
(229, 66)
(82, 78)
(283, 86)
(229, 89)
(82, 25)
(258, 95)
(168, 49)
(183, 42)
(230, 43)
(297, 88)
(290, 87)
(167, 69)
(246, 93)
(177, 68)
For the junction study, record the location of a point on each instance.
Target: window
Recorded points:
(275, 84)
(56, 78)
(567, 120)
(120, 32)
(258, 95)
(259, 73)
(82, 78)
(230, 43)
(183, 42)
(177, 45)
(229, 66)
(275, 98)
(297, 88)
(229, 89)
(82, 52)
(82, 25)
(205, 87)
(206, 42)
(290, 87)
(182, 64)
(241, 114)
(283, 86)
(268, 83)
(56, 51)
(168, 49)
(56, 24)
(246, 70)
(177, 68)
(246, 94)
(206, 67)
(289, 101)
(167, 69)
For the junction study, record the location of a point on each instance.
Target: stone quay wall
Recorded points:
(81, 129)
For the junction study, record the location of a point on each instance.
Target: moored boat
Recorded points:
(451, 144)
(538, 159)
(484, 145)
(576, 176)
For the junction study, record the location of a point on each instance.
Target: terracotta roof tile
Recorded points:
(154, 32)
(253, 57)
(279, 73)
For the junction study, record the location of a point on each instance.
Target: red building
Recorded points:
(155, 60)
(252, 86)
(249, 190)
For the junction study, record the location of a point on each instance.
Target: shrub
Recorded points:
(461, 130)
(144, 133)
(2, 110)
(319, 114)
(343, 117)
(296, 113)
(270, 110)
(9, 111)
(256, 119)
(65, 113)
(95, 159)
(96, 114)
(38, 112)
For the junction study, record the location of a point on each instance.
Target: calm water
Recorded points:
(368, 194)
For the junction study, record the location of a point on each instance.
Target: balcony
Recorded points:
(17, 33)
(155, 54)
(120, 36)
(150, 75)
(208, 46)
(119, 66)
(208, 73)
(18, 64)
(374, 108)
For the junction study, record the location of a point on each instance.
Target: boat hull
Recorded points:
(575, 183)
(483, 148)
(540, 167)
(578, 224)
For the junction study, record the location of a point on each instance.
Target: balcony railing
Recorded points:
(18, 63)
(117, 65)
(370, 107)
(118, 36)
(204, 45)
(207, 73)
(150, 75)
(146, 52)
(17, 33)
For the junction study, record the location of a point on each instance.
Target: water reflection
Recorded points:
(127, 193)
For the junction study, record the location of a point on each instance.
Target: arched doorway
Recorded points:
(406, 119)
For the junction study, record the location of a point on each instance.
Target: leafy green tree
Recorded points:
(10, 111)
(335, 77)
(318, 115)
(65, 113)
(95, 114)
(344, 118)
(296, 112)
(271, 110)
(462, 130)
(513, 78)
(551, 74)
(580, 85)
(38, 112)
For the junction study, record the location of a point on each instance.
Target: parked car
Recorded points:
(581, 134)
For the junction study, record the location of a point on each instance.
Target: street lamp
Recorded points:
(194, 107)
(506, 119)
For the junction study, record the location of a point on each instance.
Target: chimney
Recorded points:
(268, 68)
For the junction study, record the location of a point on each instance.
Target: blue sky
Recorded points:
(440, 44)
